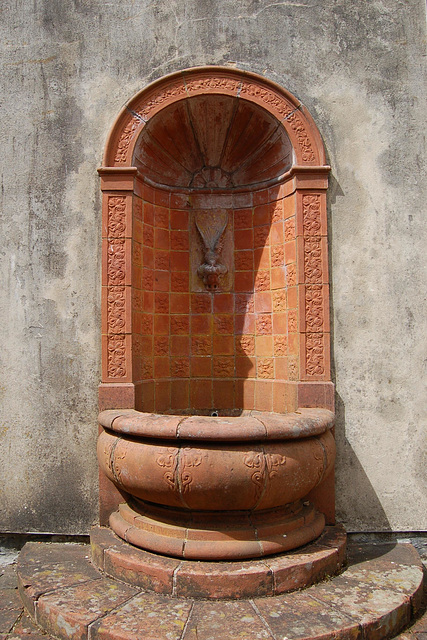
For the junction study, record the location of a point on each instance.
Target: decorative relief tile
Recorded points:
(279, 300)
(265, 367)
(116, 216)
(289, 229)
(315, 360)
(314, 308)
(116, 318)
(311, 215)
(277, 256)
(313, 261)
(116, 262)
(280, 345)
(245, 345)
(116, 356)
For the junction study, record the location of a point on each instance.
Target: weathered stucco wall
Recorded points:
(68, 67)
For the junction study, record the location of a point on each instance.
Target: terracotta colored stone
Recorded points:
(144, 616)
(67, 613)
(224, 620)
(298, 616)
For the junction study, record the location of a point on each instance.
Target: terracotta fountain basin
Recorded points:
(204, 487)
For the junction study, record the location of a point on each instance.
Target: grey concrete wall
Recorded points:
(68, 67)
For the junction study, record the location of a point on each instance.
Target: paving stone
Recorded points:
(296, 615)
(147, 616)
(66, 613)
(225, 620)
(8, 617)
(9, 599)
(42, 568)
(25, 629)
(8, 577)
(379, 611)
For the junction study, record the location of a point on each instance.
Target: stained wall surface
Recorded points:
(68, 67)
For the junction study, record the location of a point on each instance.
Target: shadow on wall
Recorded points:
(358, 506)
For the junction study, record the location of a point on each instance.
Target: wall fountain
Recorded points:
(215, 444)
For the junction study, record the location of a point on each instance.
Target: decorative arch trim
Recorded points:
(286, 108)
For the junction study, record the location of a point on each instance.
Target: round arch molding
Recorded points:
(293, 367)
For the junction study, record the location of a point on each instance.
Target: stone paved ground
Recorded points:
(15, 623)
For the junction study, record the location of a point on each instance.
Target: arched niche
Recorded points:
(215, 144)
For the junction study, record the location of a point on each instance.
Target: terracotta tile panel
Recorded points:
(263, 395)
(279, 397)
(244, 394)
(201, 303)
(179, 260)
(264, 324)
(180, 390)
(223, 303)
(201, 324)
(264, 345)
(180, 282)
(161, 280)
(161, 324)
(243, 281)
(148, 257)
(201, 345)
(179, 240)
(179, 345)
(179, 220)
(245, 367)
(278, 278)
(201, 366)
(162, 395)
(161, 367)
(223, 367)
(180, 367)
(200, 394)
(223, 324)
(244, 323)
(161, 345)
(223, 394)
(223, 345)
(161, 302)
(243, 219)
(243, 260)
(180, 303)
(244, 239)
(245, 344)
(281, 368)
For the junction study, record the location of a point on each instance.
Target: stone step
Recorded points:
(375, 597)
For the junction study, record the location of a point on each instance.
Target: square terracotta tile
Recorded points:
(264, 395)
(201, 345)
(245, 394)
(264, 345)
(245, 367)
(180, 303)
(263, 302)
(243, 219)
(201, 303)
(244, 239)
(180, 345)
(180, 260)
(180, 395)
(245, 345)
(223, 303)
(161, 238)
(201, 366)
(223, 394)
(223, 324)
(200, 394)
(223, 367)
(180, 325)
(201, 324)
(223, 345)
(179, 220)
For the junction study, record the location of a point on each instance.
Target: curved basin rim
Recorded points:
(255, 425)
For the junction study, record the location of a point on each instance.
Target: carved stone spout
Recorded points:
(211, 226)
